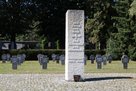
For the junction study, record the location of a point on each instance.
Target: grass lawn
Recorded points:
(29, 67)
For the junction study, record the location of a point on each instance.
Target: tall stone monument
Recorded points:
(74, 44)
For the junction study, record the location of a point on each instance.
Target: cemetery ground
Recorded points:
(31, 77)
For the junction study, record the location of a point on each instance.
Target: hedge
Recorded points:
(31, 54)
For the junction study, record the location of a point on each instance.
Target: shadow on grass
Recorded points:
(106, 78)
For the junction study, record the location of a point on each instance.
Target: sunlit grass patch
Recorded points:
(30, 67)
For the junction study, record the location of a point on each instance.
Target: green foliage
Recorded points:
(111, 24)
(94, 52)
(57, 44)
(132, 52)
(107, 23)
(123, 39)
(113, 48)
(15, 18)
(99, 22)
(32, 53)
(132, 10)
(51, 15)
(43, 42)
(30, 32)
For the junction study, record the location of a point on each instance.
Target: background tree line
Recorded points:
(109, 24)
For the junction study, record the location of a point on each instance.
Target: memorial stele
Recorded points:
(74, 44)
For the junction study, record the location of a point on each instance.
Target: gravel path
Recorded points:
(56, 82)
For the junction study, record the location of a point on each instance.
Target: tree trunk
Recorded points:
(13, 41)
(97, 46)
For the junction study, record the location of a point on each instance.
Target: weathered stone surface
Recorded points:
(74, 44)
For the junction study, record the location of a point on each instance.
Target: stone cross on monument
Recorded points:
(74, 44)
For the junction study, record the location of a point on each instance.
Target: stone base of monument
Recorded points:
(77, 78)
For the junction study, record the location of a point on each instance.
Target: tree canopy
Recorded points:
(15, 18)
(132, 10)
(109, 24)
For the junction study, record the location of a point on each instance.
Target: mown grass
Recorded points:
(114, 67)
(29, 67)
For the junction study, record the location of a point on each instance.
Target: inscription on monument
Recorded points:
(77, 35)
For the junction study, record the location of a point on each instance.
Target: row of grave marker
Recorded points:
(17, 60)
(99, 59)
(103, 59)
(44, 59)
(5, 57)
